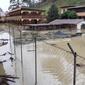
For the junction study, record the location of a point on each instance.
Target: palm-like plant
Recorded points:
(5, 78)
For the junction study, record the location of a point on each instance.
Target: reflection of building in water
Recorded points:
(24, 15)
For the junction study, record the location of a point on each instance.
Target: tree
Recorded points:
(52, 13)
(30, 3)
(27, 1)
(11, 1)
(13, 4)
(69, 15)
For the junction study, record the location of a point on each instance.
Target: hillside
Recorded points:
(47, 3)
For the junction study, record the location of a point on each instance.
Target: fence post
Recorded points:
(22, 63)
(35, 61)
(75, 55)
(34, 34)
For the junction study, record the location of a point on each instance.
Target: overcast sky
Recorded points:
(4, 4)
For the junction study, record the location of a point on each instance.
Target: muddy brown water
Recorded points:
(54, 66)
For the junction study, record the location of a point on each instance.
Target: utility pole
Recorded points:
(13, 29)
(22, 63)
(35, 48)
(35, 60)
(75, 55)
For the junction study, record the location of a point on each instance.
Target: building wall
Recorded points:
(26, 16)
(80, 11)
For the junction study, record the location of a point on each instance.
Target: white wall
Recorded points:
(79, 26)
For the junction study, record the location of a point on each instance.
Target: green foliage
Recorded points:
(12, 1)
(28, 2)
(52, 13)
(69, 15)
(66, 2)
(47, 3)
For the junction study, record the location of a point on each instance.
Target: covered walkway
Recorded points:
(74, 24)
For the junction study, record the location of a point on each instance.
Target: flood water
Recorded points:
(54, 63)
(5, 55)
(43, 78)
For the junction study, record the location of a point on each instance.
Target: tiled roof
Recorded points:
(27, 8)
(58, 22)
(79, 6)
(66, 21)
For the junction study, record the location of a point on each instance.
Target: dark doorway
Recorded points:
(34, 21)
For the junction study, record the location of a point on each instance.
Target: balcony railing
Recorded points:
(36, 16)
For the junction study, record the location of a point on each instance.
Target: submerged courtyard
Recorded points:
(34, 48)
(54, 61)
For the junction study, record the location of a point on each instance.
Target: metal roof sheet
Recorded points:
(66, 21)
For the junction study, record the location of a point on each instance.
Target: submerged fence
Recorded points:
(47, 59)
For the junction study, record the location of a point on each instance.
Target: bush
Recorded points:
(69, 15)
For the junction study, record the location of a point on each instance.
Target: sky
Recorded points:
(4, 4)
